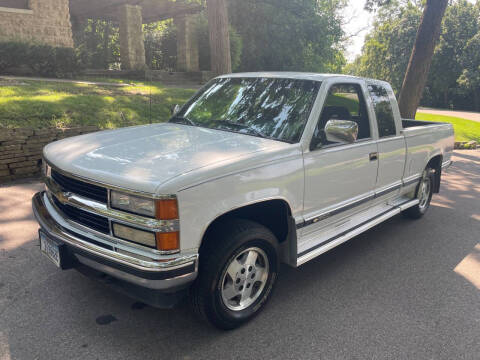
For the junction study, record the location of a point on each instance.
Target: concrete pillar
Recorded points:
(132, 48)
(187, 45)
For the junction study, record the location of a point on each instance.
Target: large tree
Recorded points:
(219, 37)
(421, 57)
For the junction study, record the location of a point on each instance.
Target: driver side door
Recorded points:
(339, 178)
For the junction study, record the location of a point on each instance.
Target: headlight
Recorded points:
(133, 204)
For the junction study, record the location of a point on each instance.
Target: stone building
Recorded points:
(51, 21)
(45, 21)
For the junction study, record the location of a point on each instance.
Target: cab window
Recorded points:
(383, 110)
(343, 102)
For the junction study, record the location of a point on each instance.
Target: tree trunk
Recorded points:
(106, 43)
(421, 57)
(219, 37)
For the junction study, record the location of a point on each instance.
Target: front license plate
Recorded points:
(50, 248)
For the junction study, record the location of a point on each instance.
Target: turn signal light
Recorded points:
(166, 209)
(168, 241)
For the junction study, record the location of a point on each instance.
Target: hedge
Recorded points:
(43, 60)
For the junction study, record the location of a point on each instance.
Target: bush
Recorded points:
(12, 54)
(43, 60)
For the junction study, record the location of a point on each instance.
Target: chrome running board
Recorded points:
(352, 232)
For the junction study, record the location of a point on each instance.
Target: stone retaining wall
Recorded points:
(21, 149)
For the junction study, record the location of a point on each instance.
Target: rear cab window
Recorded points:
(383, 110)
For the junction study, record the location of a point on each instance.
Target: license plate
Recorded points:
(50, 248)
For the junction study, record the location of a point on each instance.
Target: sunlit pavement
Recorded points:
(404, 290)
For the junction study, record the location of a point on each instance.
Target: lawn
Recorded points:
(465, 130)
(38, 104)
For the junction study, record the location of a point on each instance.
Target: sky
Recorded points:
(359, 22)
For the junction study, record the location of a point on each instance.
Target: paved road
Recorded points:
(461, 114)
(404, 290)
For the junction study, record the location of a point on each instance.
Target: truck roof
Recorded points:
(294, 75)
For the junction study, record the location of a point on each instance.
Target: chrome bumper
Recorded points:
(167, 274)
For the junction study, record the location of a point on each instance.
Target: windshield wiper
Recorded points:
(182, 120)
(242, 126)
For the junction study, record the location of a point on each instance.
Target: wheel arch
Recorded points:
(275, 214)
(435, 163)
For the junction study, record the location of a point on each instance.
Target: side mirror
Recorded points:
(175, 109)
(342, 131)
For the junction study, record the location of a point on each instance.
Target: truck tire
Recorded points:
(237, 272)
(424, 194)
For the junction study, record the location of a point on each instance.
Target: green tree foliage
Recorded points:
(469, 80)
(456, 61)
(301, 35)
(160, 45)
(289, 34)
(388, 46)
(97, 42)
(460, 25)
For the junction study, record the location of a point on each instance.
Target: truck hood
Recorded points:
(142, 158)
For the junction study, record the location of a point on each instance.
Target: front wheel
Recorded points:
(424, 195)
(237, 272)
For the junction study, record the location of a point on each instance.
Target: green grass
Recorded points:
(465, 130)
(48, 104)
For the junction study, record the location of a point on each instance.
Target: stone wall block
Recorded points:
(12, 160)
(9, 147)
(31, 170)
(21, 149)
(28, 163)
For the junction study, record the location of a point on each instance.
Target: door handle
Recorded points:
(373, 156)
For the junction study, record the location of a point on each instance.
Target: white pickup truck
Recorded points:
(256, 169)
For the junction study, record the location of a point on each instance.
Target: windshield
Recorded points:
(273, 108)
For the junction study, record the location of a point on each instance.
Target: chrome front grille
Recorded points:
(92, 221)
(82, 188)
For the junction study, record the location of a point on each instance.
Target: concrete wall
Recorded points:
(46, 21)
(21, 149)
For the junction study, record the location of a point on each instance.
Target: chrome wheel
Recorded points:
(244, 279)
(424, 193)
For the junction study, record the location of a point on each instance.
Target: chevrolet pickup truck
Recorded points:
(255, 170)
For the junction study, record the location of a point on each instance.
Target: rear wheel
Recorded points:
(237, 272)
(424, 195)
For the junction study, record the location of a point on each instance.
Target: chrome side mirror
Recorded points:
(175, 109)
(342, 131)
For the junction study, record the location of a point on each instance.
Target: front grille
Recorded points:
(82, 188)
(92, 221)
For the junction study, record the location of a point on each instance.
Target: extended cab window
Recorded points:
(343, 102)
(383, 110)
(273, 108)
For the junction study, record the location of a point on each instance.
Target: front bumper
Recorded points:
(169, 276)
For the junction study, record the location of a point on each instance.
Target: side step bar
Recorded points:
(354, 231)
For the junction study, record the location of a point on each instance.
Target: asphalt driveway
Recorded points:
(403, 290)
